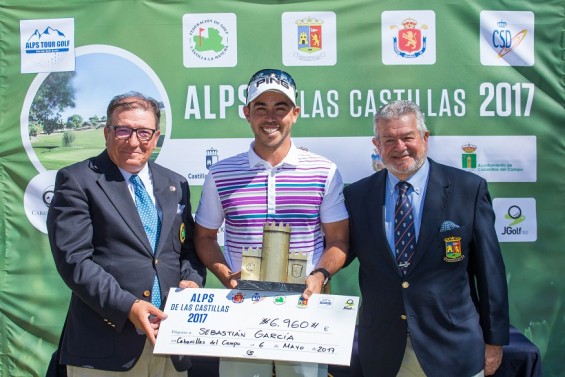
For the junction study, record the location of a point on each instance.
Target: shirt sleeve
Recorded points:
(333, 205)
(210, 213)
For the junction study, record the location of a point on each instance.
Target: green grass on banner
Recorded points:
(53, 155)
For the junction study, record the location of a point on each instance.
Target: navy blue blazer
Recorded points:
(103, 254)
(450, 306)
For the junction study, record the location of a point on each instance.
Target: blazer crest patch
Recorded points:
(453, 249)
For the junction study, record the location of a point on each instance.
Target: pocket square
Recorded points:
(180, 208)
(448, 225)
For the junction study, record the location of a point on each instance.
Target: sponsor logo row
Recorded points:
(506, 38)
(407, 37)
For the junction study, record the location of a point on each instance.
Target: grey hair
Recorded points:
(134, 100)
(396, 109)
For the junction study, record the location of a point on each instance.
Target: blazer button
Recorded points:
(405, 284)
(403, 317)
(146, 293)
(156, 262)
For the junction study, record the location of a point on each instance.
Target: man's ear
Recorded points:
(376, 144)
(246, 111)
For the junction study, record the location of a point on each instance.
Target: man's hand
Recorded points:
(232, 279)
(188, 284)
(314, 284)
(139, 315)
(493, 358)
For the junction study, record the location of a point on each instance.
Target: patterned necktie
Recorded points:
(404, 231)
(152, 225)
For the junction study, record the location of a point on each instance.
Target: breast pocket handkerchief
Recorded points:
(448, 225)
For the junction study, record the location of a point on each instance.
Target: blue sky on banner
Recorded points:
(100, 76)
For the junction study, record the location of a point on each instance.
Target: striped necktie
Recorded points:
(404, 231)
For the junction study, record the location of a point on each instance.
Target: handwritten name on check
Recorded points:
(256, 324)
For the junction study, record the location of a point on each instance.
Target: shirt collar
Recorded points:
(143, 174)
(290, 159)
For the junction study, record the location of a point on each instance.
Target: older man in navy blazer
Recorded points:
(432, 278)
(104, 251)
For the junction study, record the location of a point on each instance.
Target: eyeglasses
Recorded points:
(124, 133)
(265, 73)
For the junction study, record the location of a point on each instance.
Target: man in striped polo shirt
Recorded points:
(274, 181)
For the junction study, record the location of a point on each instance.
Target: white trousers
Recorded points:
(264, 368)
(148, 365)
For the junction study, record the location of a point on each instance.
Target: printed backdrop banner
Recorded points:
(488, 74)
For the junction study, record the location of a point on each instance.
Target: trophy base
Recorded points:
(256, 285)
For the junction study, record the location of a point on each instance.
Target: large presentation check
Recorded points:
(260, 325)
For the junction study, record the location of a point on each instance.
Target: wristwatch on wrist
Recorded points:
(324, 272)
